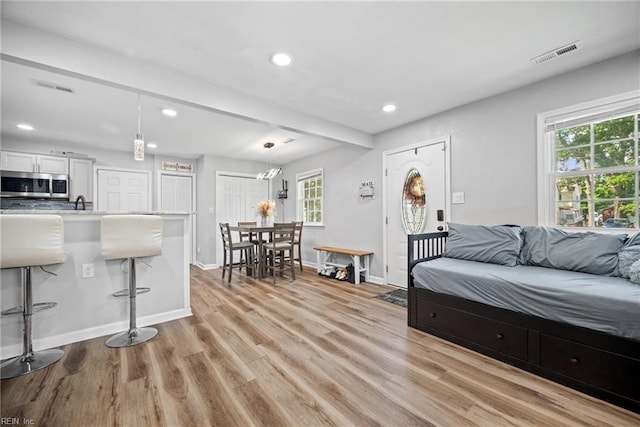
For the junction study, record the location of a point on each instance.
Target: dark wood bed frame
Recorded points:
(602, 365)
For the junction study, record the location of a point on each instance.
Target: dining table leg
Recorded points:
(262, 267)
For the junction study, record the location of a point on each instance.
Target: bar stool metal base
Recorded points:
(130, 338)
(134, 335)
(23, 365)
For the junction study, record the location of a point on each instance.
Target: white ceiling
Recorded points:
(350, 58)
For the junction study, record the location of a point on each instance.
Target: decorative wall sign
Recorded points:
(367, 190)
(177, 166)
(414, 203)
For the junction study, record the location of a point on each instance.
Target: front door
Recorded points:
(415, 200)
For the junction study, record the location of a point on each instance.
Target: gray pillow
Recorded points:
(634, 241)
(588, 252)
(634, 272)
(629, 254)
(496, 245)
(626, 257)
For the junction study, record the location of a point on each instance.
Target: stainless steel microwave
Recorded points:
(34, 185)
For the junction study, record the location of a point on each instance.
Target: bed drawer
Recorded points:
(593, 366)
(503, 337)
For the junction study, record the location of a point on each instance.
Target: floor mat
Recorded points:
(398, 297)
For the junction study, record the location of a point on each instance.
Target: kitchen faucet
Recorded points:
(80, 198)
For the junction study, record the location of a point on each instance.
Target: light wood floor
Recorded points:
(305, 353)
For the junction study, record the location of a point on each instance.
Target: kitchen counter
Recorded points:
(86, 309)
(80, 212)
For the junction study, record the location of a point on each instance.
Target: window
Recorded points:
(590, 174)
(310, 197)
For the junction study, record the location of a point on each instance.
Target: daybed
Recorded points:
(550, 302)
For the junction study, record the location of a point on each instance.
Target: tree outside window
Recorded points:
(597, 173)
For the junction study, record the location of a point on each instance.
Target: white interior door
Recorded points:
(122, 190)
(430, 161)
(236, 198)
(176, 194)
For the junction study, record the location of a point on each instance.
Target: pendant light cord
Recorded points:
(139, 113)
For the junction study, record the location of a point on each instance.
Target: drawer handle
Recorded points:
(500, 336)
(574, 361)
(433, 315)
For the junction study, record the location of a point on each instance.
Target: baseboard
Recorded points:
(206, 266)
(377, 280)
(90, 333)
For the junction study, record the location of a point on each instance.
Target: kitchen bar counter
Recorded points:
(87, 212)
(85, 307)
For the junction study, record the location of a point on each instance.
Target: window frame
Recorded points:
(583, 113)
(300, 178)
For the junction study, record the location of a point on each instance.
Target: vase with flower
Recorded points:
(266, 209)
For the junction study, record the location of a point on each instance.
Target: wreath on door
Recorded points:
(414, 203)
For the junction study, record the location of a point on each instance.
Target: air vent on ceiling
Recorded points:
(54, 86)
(557, 52)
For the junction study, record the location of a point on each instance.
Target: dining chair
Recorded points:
(229, 246)
(280, 249)
(246, 236)
(297, 241)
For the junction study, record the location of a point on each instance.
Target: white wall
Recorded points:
(493, 158)
(348, 220)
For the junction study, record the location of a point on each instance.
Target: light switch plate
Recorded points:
(457, 198)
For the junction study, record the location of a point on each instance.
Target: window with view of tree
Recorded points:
(596, 169)
(310, 197)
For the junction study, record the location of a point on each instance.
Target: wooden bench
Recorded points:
(325, 253)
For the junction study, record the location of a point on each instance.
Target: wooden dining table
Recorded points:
(260, 231)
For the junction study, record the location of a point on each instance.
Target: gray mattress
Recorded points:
(607, 304)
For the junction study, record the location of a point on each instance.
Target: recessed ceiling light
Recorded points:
(152, 145)
(281, 59)
(24, 126)
(389, 108)
(169, 112)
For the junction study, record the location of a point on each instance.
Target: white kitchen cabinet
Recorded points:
(81, 179)
(19, 162)
(52, 164)
(27, 162)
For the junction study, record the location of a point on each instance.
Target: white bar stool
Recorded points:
(30, 241)
(130, 237)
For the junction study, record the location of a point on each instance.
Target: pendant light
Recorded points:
(270, 173)
(138, 142)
